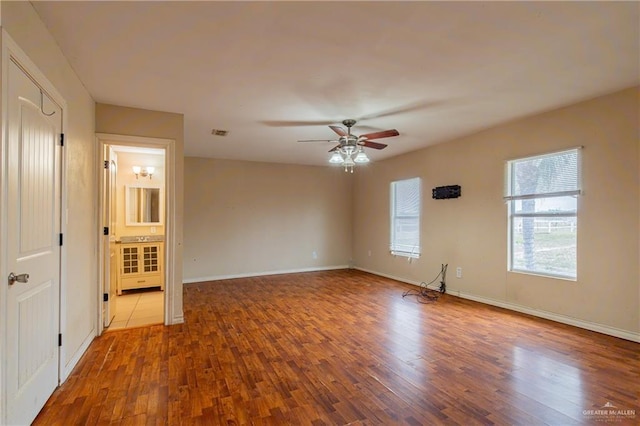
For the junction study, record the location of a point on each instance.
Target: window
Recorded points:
(405, 217)
(542, 193)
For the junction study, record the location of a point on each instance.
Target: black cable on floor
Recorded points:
(427, 295)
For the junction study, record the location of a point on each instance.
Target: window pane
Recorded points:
(547, 205)
(405, 217)
(544, 240)
(407, 234)
(544, 245)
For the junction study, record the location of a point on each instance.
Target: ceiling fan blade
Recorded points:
(334, 148)
(339, 130)
(382, 134)
(374, 145)
(318, 140)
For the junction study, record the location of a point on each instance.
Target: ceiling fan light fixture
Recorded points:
(361, 158)
(350, 149)
(336, 158)
(348, 164)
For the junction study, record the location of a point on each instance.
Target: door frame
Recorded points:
(106, 182)
(12, 52)
(169, 214)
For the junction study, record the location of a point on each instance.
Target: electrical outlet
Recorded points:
(369, 253)
(314, 255)
(459, 272)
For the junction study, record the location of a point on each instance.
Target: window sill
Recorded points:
(405, 254)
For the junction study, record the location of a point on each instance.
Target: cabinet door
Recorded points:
(150, 259)
(130, 260)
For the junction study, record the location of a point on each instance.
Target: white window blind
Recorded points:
(405, 217)
(549, 175)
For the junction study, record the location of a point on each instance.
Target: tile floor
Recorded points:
(138, 308)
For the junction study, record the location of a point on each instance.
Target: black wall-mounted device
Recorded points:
(449, 191)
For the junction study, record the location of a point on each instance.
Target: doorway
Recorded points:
(135, 228)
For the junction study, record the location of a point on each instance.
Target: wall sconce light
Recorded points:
(144, 171)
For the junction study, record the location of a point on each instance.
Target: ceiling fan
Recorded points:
(350, 148)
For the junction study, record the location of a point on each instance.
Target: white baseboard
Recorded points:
(179, 319)
(76, 357)
(261, 274)
(588, 325)
(404, 280)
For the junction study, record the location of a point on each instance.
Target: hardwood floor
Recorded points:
(344, 347)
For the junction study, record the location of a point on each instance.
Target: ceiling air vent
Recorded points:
(218, 132)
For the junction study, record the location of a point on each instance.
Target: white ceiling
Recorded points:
(432, 70)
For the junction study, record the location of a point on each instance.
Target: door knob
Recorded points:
(21, 278)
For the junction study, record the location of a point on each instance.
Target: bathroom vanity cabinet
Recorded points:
(141, 265)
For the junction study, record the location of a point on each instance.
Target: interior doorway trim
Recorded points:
(171, 286)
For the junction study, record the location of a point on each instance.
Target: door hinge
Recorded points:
(105, 230)
(106, 164)
(61, 139)
(60, 239)
(105, 297)
(60, 340)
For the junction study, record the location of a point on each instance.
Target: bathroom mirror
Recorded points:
(143, 206)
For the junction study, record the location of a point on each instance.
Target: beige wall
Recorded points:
(471, 231)
(125, 178)
(79, 254)
(245, 218)
(119, 120)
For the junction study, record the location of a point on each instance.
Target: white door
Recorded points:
(33, 246)
(109, 245)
